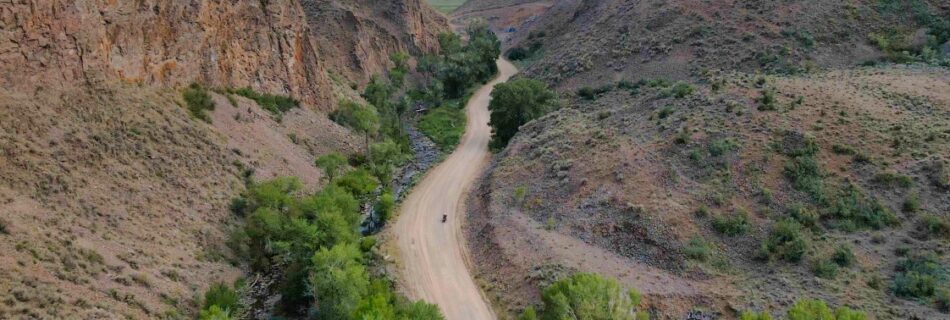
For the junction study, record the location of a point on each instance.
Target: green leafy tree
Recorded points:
(419, 311)
(359, 117)
(589, 296)
(214, 313)
(339, 280)
(359, 182)
(528, 314)
(515, 103)
(332, 164)
(397, 75)
(385, 157)
(277, 194)
(221, 295)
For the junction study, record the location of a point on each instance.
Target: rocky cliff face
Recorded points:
(273, 46)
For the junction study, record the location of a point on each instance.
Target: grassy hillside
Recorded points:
(446, 6)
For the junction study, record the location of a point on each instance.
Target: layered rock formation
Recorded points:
(273, 46)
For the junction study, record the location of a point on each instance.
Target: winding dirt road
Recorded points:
(433, 254)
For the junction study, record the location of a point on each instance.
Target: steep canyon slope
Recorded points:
(114, 199)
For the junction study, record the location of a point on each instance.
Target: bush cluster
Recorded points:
(810, 309)
(273, 103)
(732, 224)
(786, 242)
(199, 102)
(919, 276)
(587, 296)
(514, 104)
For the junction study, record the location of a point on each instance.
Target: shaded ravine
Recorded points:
(433, 254)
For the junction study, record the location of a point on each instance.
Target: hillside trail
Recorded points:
(433, 254)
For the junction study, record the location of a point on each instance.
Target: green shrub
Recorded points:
(843, 149)
(587, 93)
(680, 90)
(663, 83)
(589, 296)
(367, 243)
(358, 182)
(943, 299)
(444, 125)
(732, 225)
(812, 309)
(805, 216)
(702, 211)
(238, 206)
(858, 210)
(843, 256)
(722, 146)
(767, 101)
(385, 206)
(214, 313)
(911, 203)
(698, 249)
(223, 296)
(892, 179)
(935, 226)
(786, 241)
(199, 102)
(919, 276)
(275, 104)
(666, 111)
(806, 176)
(825, 269)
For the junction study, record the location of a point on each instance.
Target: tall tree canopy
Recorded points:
(514, 104)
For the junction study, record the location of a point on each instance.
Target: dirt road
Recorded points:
(433, 254)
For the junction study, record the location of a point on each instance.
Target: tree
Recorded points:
(397, 74)
(339, 280)
(384, 157)
(589, 296)
(214, 313)
(222, 296)
(515, 103)
(359, 117)
(419, 311)
(332, 164)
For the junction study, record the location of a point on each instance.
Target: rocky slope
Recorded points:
(114, 199)
(587, 42)
(625, 184)
(638, 180)
(287, 47)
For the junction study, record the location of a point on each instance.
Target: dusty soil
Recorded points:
(433, 255)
